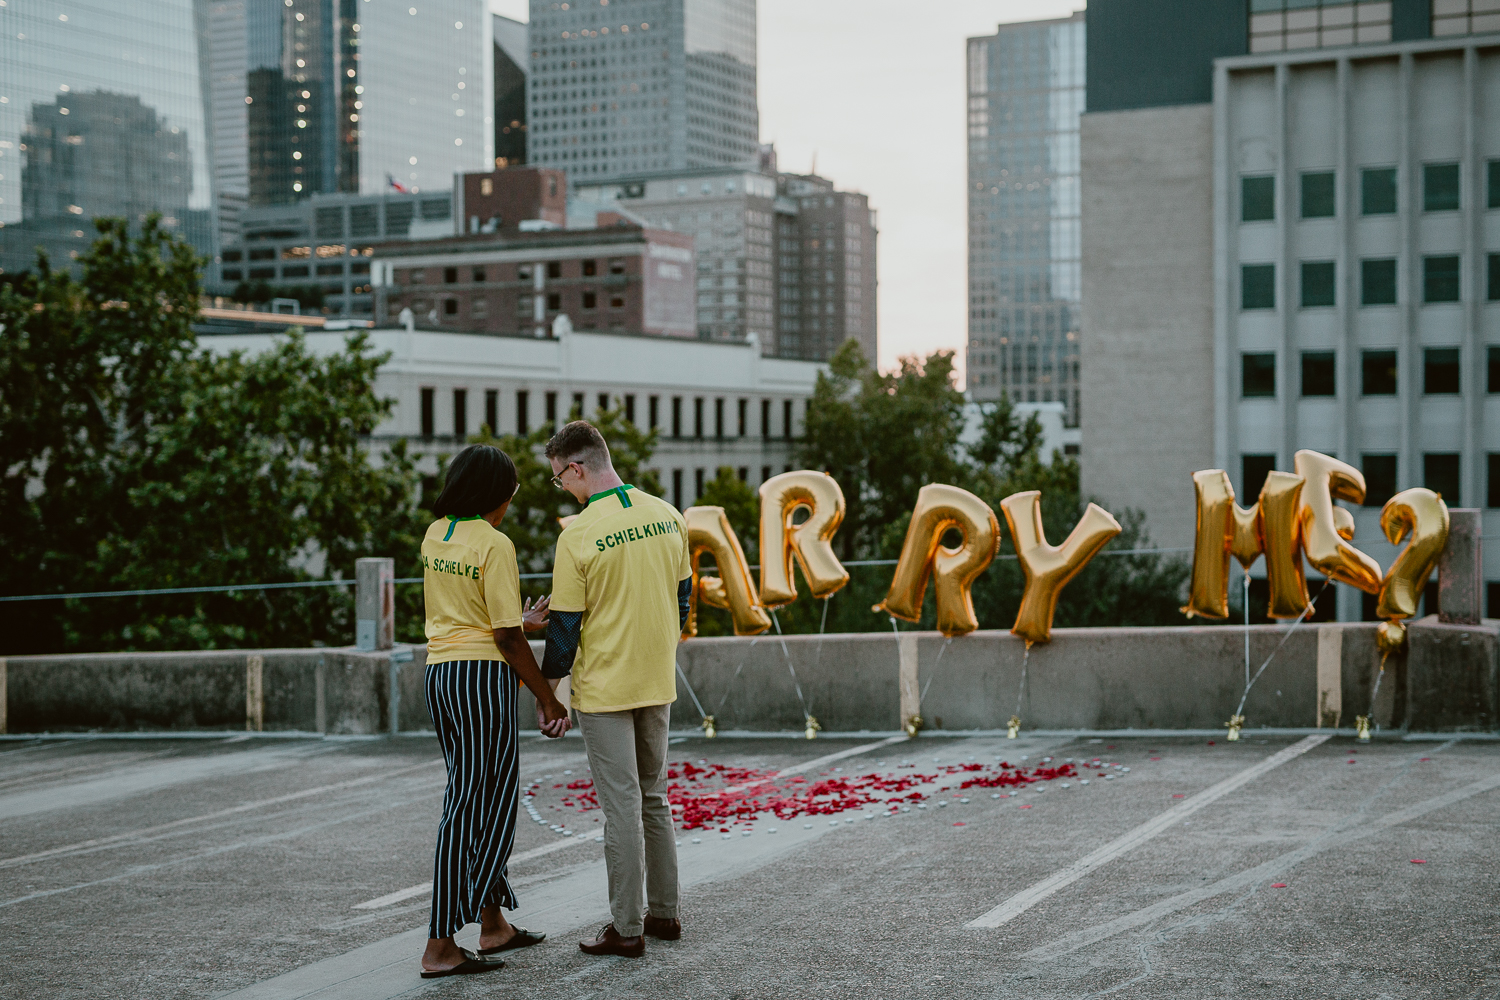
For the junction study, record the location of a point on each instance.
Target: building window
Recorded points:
(1257, 199)
(1492, 482)
(590, 300)
(492, 411)
(478, 274)
(479, 307)
(616, 265)
(1439, 187)
(677, 489)
(1277, 25)
(697, 484)
(719, 418)
(1492, 184)
(524, 306)
(1440, 279)
(765, 473)
(554, 301)
(1319, 373)
(786, 419)
(1378, 373)
(765, 419)
(744, 412)
(603, 402)
(554, 269)
(1380, 478)
(1493, 291)
(590, 268)
(577, 412)
(1492, 358)
(1318, 199)
(1377, 191)
(1377, 282)
(653, 407)
(1440, 371)
(744, 473)
(1257, 286)
(1257, 375)
(698, 417)
(551, 404)
(630, 408)
(523, 413)
(617, 302)
(1253, 472)
(427, 408)
(677, 416)
(1464, 17)
(450, 275)
(460, 413)
(1317, 283)
(1440, 474)
(450, 307)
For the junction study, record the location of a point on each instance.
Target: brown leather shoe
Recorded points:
(610, 942)
(663, 928)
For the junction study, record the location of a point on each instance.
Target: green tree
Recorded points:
(135, 459)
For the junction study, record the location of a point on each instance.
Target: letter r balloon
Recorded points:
(809, 542)
(939, 509)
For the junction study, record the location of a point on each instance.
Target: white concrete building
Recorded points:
(1310, 261)
(713, 403)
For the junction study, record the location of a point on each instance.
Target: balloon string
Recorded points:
(933, 673)
(1263, 666)
(735, 677)
(1247, 631)
(818, 660)
(787, 653)
(1021, 690)
(701, 714)
(1378, 678)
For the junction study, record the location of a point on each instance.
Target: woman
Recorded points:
(476, 648)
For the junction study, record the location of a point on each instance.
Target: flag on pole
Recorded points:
(396, 184)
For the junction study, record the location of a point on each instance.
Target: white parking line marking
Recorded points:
(1027, 898)
(1245, 879)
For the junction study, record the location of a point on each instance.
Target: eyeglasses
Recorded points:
(557, 479)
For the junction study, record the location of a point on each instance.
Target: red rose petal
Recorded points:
(1026, 807)
(958, 824)
(1210, 742)
(1418, 861)
(1278, 885)
(1178, 795)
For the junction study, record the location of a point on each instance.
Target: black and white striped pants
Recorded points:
(473, 708)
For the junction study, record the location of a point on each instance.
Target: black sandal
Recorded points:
(522, 938)
(472, 964)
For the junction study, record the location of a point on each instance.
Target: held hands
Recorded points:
(552, 718)
(534, 616)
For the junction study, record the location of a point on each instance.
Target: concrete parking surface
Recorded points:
(272, 869)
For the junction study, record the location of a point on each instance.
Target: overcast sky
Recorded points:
(875, 89)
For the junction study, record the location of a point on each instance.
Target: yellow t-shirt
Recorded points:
(619, 563)
(471, 586)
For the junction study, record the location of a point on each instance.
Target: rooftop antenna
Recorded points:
(814, 170)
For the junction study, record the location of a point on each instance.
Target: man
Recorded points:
(620, 587)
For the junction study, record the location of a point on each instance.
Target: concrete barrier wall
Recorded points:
(1163, 678)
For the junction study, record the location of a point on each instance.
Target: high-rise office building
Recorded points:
(785, 258)
(101, 114)
(648, 85)
(1292, 241)
(346, 96)
(1025, 96)
(512, 66)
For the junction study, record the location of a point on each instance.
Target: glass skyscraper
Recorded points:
(345, 96)
(101, 113)
(1025, 96)
(642, 87)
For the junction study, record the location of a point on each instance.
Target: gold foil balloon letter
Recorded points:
(939, 509)
(1323, 539)
(709, 531)
(781, 497)
(1208, 595)
(1422, 515)
(1048, 568)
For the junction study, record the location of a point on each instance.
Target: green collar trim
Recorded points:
(618, 491)
(453, 523)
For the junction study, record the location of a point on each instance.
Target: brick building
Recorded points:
(619, 279)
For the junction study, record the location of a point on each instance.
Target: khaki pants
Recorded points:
(628, 757)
